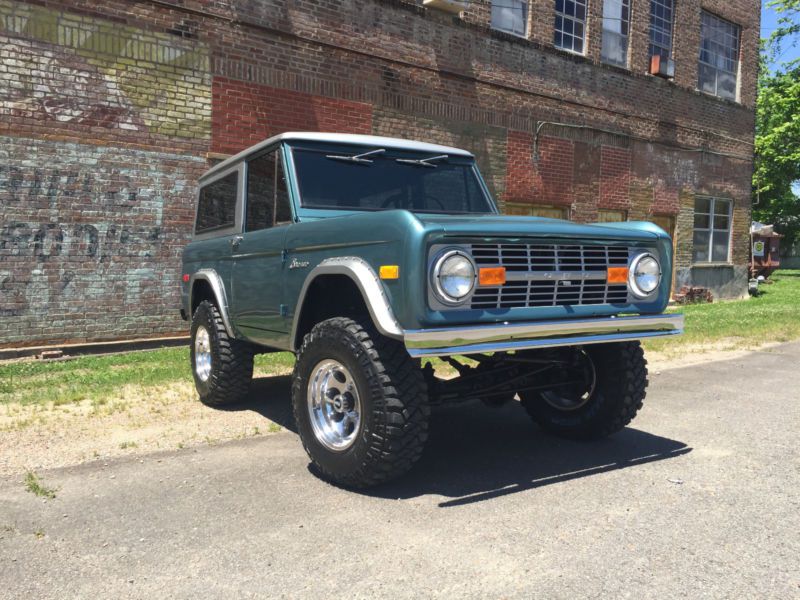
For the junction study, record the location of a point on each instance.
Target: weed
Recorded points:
(39, 533)
(274, 428)
(125, 445)
(35, 486)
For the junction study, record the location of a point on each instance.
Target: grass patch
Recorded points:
(35, 486)
(773, 316)
(97, 378)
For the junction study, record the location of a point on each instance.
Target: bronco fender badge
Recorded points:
(298, 264)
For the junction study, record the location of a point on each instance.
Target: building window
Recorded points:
(719, 56)
(611, 216)
(570, 30)
(661, 14)
(510, 16)
(536, 210)
(616, 20)
(712, 230)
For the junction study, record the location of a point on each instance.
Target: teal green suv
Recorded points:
(367, 256)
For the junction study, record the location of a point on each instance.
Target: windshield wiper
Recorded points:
(421, 162)
(358, 158)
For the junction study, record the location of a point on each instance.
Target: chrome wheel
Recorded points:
(584, 380)
(202, 354)
(333, 405)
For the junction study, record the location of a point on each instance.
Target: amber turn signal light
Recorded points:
(617, 275)
(492, 276)
(389, 271)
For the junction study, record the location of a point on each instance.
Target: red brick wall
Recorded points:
(246, 113)
(615, 178)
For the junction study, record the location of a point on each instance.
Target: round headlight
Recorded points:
(645, 274)
(453, 276)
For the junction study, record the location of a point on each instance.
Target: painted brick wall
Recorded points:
(111, 110)
(91, 240)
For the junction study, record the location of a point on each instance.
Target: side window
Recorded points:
(217, 205)
(267, 195)
(260, 192)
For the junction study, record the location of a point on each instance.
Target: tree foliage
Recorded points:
(777, 144)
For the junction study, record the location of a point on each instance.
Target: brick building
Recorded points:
(110, 110)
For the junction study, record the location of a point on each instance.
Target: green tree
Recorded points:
(777, 143)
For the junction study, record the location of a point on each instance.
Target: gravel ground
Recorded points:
(699, 499)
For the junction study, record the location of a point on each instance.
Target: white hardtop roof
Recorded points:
(338, 138)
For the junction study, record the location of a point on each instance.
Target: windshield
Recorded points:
(363, 178)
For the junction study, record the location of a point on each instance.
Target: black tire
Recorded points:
(620, 388)
(231, 371)
(393, 403)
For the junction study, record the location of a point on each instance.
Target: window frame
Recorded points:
(280, 162)
(523, 35)
(238, 216)
(564, 16)
(624, 4)
(711, 230)
(738, 50)
(661, 30)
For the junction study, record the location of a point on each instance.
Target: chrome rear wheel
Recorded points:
(202, 354)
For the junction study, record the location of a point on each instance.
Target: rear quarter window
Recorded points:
(216, 207)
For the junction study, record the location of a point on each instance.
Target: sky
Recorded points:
(769, 21)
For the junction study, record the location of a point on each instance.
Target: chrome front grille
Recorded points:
(550, 275)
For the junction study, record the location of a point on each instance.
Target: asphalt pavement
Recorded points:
(699, 498)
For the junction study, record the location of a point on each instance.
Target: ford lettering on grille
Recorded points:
(550, 275)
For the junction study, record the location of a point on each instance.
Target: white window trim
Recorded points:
(713, 200)
(585, 37)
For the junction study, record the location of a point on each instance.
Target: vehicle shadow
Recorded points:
(271, 398)
(476, 453)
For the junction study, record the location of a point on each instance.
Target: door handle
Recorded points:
(235, 241)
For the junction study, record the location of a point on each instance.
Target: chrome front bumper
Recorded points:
(502, 337)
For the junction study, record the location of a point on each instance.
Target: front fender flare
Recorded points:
(368, 284)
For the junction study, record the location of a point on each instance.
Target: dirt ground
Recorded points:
(43, 436)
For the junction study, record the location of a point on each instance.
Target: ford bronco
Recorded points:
(367, 256)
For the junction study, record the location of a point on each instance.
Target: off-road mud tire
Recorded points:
(394, 403)
(231, 360)
(621, 372)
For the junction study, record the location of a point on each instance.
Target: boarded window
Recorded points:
(611, 216)
(536, 210)
(666, 222)
(216, 208)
